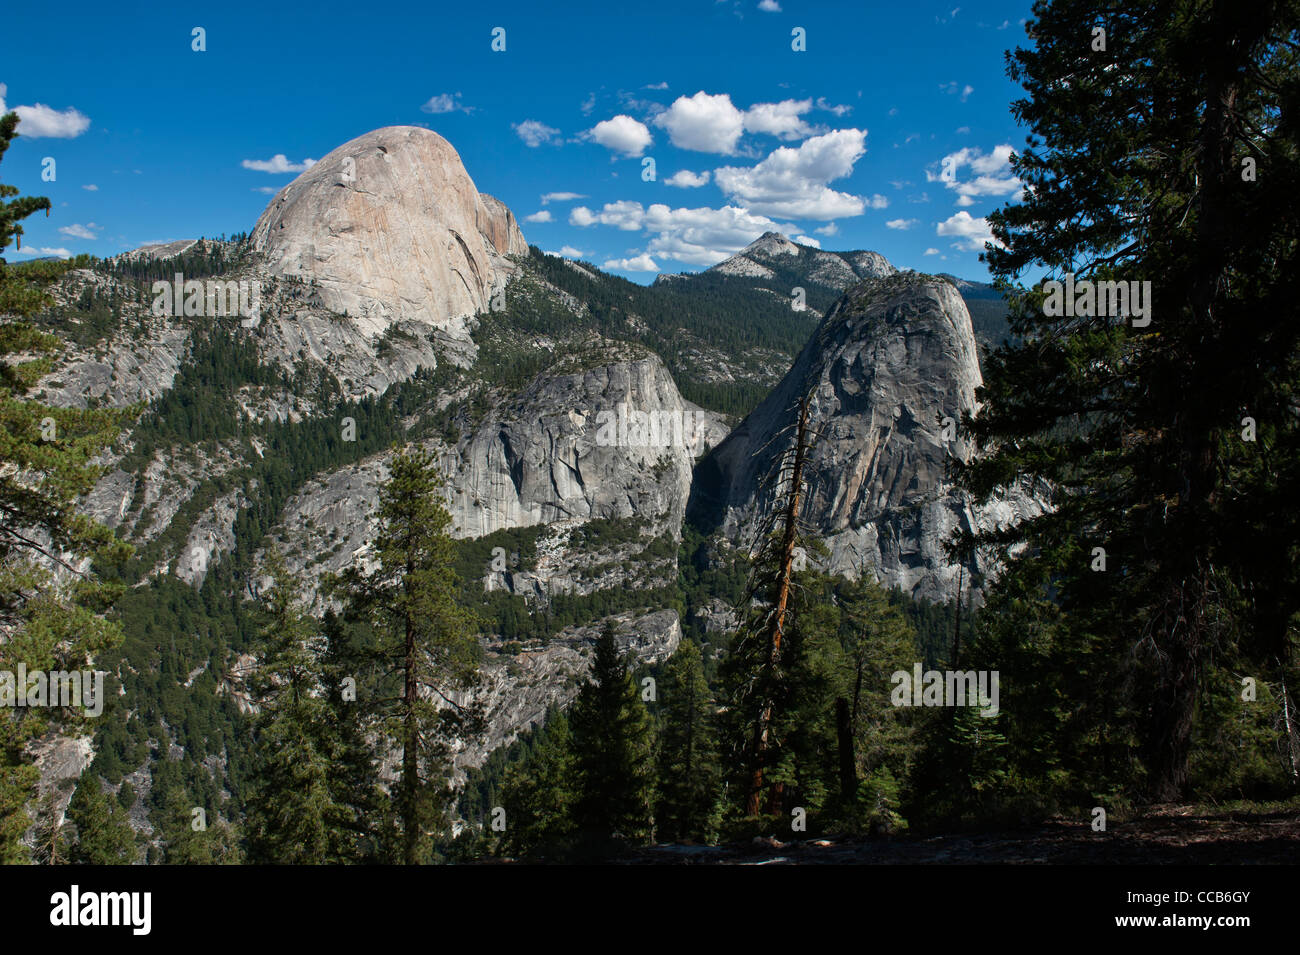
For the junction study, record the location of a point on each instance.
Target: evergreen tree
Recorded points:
(295, 815)
(538, 795)
(416, 647)
(687, 792)
(104, 833)
(1165, 148)
(46, 459)
(612, 756)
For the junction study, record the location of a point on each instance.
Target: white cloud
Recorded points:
(900, 224)
(991, 173)
(953, 88)
(624, 214)
(971, 233)
(640, 263)
(266, 190)
(561, 197)
(656, 86)
(808, 240)
(543, 216)
(58, 253)
(445, 103)
(622, 134)
(769, 6)
(781, 120)
(793, 182)
(703, 123)
(825, 104)
(931, 251)
(704, 236)
(90, 187)
(685, 179)
(878, 201)
(78, 231)
(829, 228)
(277, 164)
(534, 133)
(45, 122)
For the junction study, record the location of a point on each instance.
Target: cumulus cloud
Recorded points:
(624, 214)
(793, 182)
(90, 187)
(59, 253)
(561, 197)
(808, 240)
(782, 120)
(44, 122)
(640, 263)
(769, 6)
(971, 233)
(445, 103)
(901, 224)
(704, 236)
(534, 133)
(685, 179)
(657, 86)
(78, 231)
(277, 164)
(622, 134)
(703, 123)
(543, 216)
(989, 174)
(829, 228)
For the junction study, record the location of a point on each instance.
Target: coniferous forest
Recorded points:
(358, 596)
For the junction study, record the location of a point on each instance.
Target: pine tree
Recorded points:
(1165, 148)
(612, 756)
(877, 641)
(687, 792)
(767, 649)
(538, 795)
(295, 813)
(417, 647)
(46, 464)
(104, 833)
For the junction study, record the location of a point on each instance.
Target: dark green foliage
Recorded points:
(1137, 149)
(104, 834)
(688, 778)
(612, 761)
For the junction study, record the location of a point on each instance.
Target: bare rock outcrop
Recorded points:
(891, 370)
(390, 227)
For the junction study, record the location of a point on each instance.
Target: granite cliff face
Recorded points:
(390, 227)
(890, 370)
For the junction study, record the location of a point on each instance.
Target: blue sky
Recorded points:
(890, 131)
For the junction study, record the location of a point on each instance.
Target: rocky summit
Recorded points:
(890, 371)
(389, 226)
